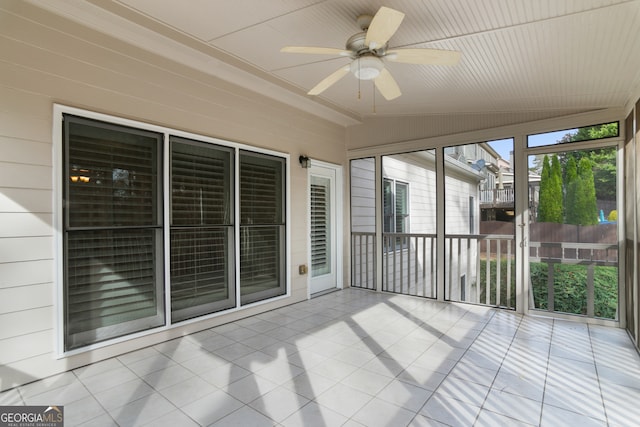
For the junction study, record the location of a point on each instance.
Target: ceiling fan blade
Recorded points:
(387, 85)
(329, 80)
(423, 56)
(316, 50)
(383, 25)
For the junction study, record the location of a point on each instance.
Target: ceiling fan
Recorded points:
(369, 51)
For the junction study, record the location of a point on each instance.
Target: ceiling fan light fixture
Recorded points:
(367, 67)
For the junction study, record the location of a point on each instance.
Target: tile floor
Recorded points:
(358, 358)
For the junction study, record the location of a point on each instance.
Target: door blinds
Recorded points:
(320, 223)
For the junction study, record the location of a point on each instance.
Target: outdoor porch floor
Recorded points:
(359, 358)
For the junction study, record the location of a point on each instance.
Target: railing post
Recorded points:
(498, 268)
(433, 269)
(550, 282)
(467, 282)
(416, 263)
(590, 291)
(478, 278)
(487, 285)
(508, 273)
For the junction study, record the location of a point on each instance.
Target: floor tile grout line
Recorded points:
(546, 374)
(595, 364)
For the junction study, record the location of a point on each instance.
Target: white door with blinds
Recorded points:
(324, 236)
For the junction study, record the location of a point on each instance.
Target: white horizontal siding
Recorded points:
(16, 175)
(25, 224)
(19, 249)
(26, 297)
(363, 196)
(25, 346)
(25, 151)
(23, 273)
(25, 322)
(26, 200)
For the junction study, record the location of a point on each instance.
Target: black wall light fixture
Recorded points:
(305, 162)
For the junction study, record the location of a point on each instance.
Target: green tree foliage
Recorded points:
(606, 130)
(544, 197)
(571, 190)
(557, 189)
(604, 172)
(585, 201)
(604, 160)
(550, 203)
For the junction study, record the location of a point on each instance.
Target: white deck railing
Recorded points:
(409, 266)
(478, 268)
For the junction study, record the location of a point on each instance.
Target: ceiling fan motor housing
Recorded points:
(356, 44)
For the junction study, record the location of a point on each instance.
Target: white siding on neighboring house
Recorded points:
(363, 195)
(457, 206)
(419, 172)
(363, 222)
(462, 217)
(48, 59)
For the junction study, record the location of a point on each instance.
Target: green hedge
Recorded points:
(570, 288)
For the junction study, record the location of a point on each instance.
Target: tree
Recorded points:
(604, 172)
(586, 208)
(571, 190)
(603, 160)
(550, 203)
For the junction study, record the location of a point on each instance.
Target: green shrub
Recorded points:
(570, 289)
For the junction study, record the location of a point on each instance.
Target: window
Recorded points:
(396, 206)
(112, 231)
(121, 233)
(201, 228)
(262, 227)
(585, 133)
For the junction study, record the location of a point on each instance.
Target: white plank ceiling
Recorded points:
(517, 55)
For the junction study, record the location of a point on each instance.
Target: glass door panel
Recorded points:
(324, 239)
(409, 224)
(573, 232)
(363, 223)
(479, 223)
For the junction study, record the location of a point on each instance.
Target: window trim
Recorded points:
(399, 242)
(394, 217)
(58, 220)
